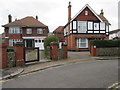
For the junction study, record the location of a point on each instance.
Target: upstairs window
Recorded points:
(96, 26)
(82, 26)
(74, 24)
(90, 25)
(86, 12)
(102, 26)
(39, 31)
(14, 30)
(29, 31)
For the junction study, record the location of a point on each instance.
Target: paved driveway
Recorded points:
(78, 55)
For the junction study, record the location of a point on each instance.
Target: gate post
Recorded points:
(3, 53)
(93, 50)
(65, 53)
(19, 51)
(54, 51)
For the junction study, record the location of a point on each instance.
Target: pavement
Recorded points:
(8, 73)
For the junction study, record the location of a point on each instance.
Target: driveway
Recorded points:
(78, 55)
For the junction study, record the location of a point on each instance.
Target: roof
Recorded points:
(59, 29)
(104, 19)
(114, 31)
(26, 22)
(90, 9)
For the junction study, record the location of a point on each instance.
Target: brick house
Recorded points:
(59, 33)
(86, 25)
(28, 30)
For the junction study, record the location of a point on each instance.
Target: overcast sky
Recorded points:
(53, 13)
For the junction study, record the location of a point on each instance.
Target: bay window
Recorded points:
(82, 26)
(82, 43)
(102, 26)
(90, 25)
(14, 30)
(96, 26)
(12, 41)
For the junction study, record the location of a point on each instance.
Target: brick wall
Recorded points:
(3, 53)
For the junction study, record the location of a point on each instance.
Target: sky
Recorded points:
(54, 13)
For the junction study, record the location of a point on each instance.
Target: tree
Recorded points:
(47, 41)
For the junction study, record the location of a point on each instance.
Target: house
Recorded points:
(114, 34)
(28, 30)
(59, 33)
(85, 26)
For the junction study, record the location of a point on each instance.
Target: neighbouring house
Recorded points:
(60, 34)
(114, 34)
(28, 30)
(85, 26)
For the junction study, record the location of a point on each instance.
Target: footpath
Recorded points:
(42, 65)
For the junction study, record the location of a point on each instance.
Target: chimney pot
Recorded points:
(36, 17)
(102, 13)
(9, 18)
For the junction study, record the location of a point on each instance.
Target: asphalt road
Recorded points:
(84, 74)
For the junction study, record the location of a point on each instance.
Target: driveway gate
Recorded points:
(31, 54)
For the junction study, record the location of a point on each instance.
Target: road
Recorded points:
(84, 74)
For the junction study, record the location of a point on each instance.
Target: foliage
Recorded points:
(49, 39)
(105, 43)
(10, 50)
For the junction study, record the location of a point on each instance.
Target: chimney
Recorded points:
(36, 17)
(9, 18)
(102, 13)
(69, 12)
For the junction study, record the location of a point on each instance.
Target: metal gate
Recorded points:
(31, 54)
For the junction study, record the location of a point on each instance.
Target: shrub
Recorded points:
(105, 43)
(47, 41)
(10, 50)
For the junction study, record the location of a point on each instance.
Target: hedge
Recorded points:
(105, 43)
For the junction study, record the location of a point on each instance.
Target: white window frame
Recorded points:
(90, 25)
(40, 32)
(14, 30)
(86, 12)
(74, 25)
(12, 41)
(29, 31)
(96, 26)
(82, 26)
(102, 26)
(71, 26)
(79, 43)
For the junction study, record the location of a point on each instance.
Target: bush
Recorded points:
(47, 41)
(105, 43)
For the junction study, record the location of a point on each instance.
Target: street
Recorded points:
(84, 74)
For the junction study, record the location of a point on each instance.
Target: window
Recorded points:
(107, 28)
(90, 25)
(86, 12)
(90, 31)
(96, 31)
(82, 43)
(39, 31)
(82, 26)
(102, 26)
(96, 26)
(12, 41)
(29, 31)
(74, 24)
(14, 30)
